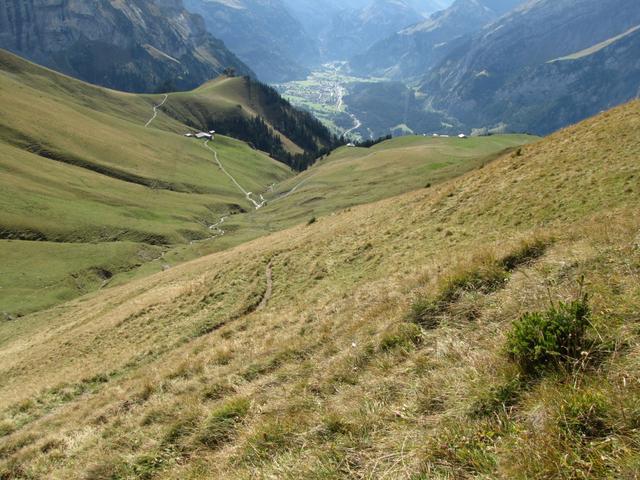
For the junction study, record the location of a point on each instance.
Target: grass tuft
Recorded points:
(528, 251)
(221, 425)
(401, 335)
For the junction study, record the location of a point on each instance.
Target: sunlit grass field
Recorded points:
(386, 347)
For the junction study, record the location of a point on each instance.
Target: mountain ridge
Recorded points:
(476, 81)
(142, 46)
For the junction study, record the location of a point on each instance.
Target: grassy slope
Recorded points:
(93, 173)
(78, 166)
(223, 96)
(178, 375)
(353, 176)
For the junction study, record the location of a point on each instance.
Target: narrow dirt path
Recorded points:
(257, 205)
(155, 109)
(293, 190)
(268, 292)
(215, 229)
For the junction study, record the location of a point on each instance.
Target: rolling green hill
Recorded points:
(79, 167)
(84, 179)
(398, 339)
(346, 178)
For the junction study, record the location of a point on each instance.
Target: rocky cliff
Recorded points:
(133, 45)
(263, 33)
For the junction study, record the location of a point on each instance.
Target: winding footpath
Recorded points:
(285, 195)
(257, 205)
(269, 291)
(155, 110)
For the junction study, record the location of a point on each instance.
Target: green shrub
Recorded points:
(542, 339)
(405, 335)
(528, 251)
(312, 220)
(221, 425)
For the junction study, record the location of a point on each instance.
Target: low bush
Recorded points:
(486, 277)
(540, 340)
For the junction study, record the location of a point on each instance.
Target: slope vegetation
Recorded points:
(381, 349)
(353, 176)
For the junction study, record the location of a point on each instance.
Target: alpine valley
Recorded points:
(319, 239)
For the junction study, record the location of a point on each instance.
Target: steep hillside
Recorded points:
(92, 172)
(351, 176)
(506, 66)
(112, 190)
(371, 343)
(263, 34)
(413, 51)
(256, 113)
(138, 46)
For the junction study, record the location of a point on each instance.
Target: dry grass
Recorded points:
(328, 380)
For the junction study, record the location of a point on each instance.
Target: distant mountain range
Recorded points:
(137, 45)
(476, 65)
(412, 51)
(544, 65)
(263, 33)
(354, 31)
(283, 39)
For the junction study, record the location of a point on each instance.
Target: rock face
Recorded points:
(263, 34)
(354, 31)
(344, 28)
(413, 51)
(132, 45)
(542, 66)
